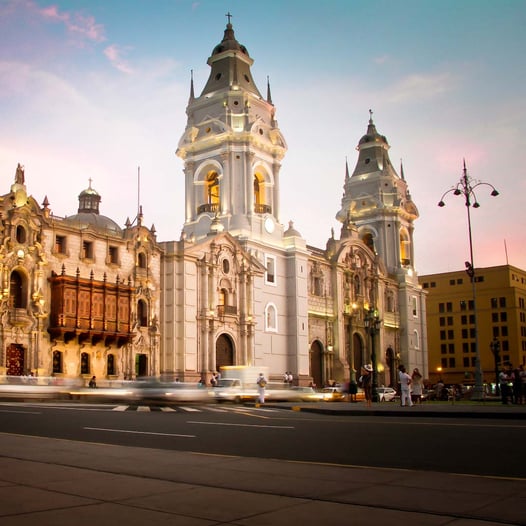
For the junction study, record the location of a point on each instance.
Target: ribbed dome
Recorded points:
(88, 213)
(372, 135)
(229, 42)
(93, 220)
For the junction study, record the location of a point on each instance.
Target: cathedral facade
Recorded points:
(239, 287)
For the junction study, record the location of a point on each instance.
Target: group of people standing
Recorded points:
(411, 385)
(512, 384)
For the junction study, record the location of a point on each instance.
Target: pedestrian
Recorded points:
(503, 384)
(353, 389)
(367, 383)
(93, 382)
(517, 386)
(405, 386)
(417, 384)
(262, 382)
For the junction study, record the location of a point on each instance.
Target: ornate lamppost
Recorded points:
(350, 313)
(466, 187)
(495, 349)
(372, 324)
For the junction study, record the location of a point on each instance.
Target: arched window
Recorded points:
(17, 290)
(57, 362)
(416, 342)
(405, 248)
(84, 363)
(369, 241)
(141, 260)
(142, 313)
(271, 318)
(20, 234)
(212, 189)
(257, 194)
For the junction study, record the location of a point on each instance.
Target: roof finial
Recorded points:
(402, 169)
(90, 180)
(229, 16)
(370, 116)
(346, 169)
(269, 96)
(192, 96)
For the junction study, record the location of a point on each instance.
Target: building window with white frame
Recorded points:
(416, 342)
(270, 275)
(414, 306)
(271, 318)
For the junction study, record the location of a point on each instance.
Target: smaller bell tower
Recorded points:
(377, 200)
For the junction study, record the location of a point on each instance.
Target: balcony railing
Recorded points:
(262, 209)
(208, 207)
(226, 310)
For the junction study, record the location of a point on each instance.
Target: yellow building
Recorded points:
(455, 318)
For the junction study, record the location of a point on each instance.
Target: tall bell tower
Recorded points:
(232, 148)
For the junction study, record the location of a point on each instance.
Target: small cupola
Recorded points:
(89, 201)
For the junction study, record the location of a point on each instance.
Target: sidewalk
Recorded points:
(462, 409)
(53, 482)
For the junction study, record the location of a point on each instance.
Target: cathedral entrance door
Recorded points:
(15, 360)
(316, 364)
(141, 365)
(224, 351)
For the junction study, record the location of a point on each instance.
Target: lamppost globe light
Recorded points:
(466, 187)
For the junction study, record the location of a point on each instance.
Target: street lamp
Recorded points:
(372, 324)
(495, 349)
(466, 187)
(350, 312)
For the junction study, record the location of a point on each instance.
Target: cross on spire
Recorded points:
(229, 16)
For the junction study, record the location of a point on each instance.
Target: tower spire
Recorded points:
(192, 95)
(269, 95)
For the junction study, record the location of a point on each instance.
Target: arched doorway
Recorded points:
(357, 346)
(224, 351)
(316, 363)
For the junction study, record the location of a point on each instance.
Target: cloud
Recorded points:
(114, 54)
(75, 23)
(419, 86)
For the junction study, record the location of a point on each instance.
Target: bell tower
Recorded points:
(377, 200)
(232, 150)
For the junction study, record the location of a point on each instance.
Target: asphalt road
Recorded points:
(474, 446)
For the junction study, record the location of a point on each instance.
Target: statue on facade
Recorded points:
(19, 176)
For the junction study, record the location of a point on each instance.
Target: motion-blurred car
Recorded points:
(386, 394)
(332, 394)
(305, 394)
(152, 389)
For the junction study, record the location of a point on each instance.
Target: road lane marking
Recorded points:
(237, 425)
(120, 408)
(189, 409)
(137, 432)
(143, 408)
(167, 410)
(21, 412)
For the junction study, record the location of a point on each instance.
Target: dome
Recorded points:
(229, 43)
(88, 213)
(291, 231)
(93, 220)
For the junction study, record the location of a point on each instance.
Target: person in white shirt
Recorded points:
(405, 386)
(262, 382)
